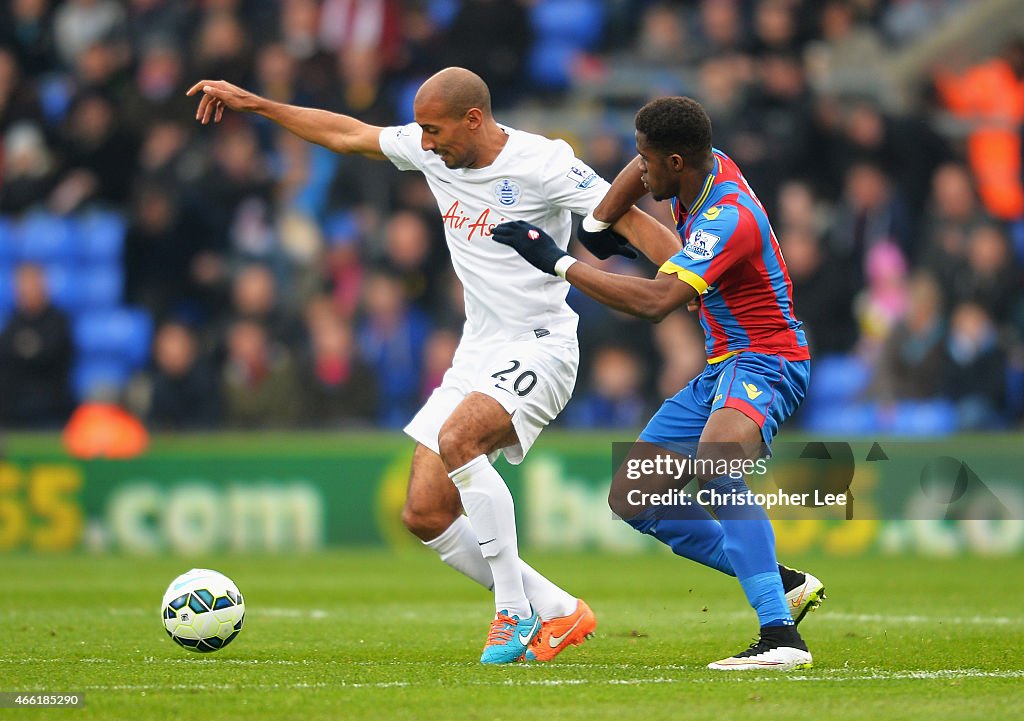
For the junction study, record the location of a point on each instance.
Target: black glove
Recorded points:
(605, 243)
(537, 247)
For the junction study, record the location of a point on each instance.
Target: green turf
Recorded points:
(368, 635)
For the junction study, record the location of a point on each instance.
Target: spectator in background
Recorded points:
(773, 127)
(720, 28)
(163, 21)
(299, 24)
(159, 95)
(27, 27)
(255, 297)
(371, 27)
(907, 20)
(276, 72)
(775, 28)
(362, 87)
(221, 48)
(161, 156)
(849, 58)
(159, 251)
(721, 83)
(823, 293)
(906, 149)
(913, 359)
(102, 69)
(882, 303)
(871, 212)
(392, 336)
(36, 354)
(80, 23)
(343, 267)
(236, 190)
(27, 175)
(437, 358)
(453, 302)
(662, 39)
(975, 375)
(258, 378)
(183, 392)
(680, 343)
(419, 44)
(800, 207)
(408, 254)
(614, 397)
(953, 212)
(99, 157)
(18, 98)
(338, 388)
(606, 151)
(990, 278)
(493, 39)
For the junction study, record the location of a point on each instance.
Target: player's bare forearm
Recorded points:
(626, 189)
(339, 133)
(648, 235)
(648, 299)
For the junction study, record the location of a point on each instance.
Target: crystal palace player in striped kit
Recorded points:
(758, 361)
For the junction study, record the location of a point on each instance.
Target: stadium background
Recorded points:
(273, 313)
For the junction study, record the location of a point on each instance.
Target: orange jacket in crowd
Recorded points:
(991, 97)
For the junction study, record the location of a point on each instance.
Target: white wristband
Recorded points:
(563, 265)
(593, 225)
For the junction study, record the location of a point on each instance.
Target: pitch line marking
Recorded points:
(833, 675)
(828, 615)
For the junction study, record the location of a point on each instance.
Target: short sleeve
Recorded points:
(717, 240)
(570, 183)
(401, 145)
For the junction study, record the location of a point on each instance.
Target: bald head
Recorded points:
(458, 90)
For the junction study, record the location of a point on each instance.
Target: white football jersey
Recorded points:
(535, 179)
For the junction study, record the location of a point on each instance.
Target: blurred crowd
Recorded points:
(290, 287)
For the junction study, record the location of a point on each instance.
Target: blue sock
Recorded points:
(696, 536)
(750, 548)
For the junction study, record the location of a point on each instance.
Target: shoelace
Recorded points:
(757, 647)
(502, 628)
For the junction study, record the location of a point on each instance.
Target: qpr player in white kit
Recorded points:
(516, 363)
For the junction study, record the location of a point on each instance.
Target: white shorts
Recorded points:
(531, 378)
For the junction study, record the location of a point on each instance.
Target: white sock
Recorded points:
(491, 512)
(458, 548)
(548, 600)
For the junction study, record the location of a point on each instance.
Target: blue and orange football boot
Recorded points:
(509, 637)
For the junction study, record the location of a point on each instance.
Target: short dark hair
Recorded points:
(676, 125)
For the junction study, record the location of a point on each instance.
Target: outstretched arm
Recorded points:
(648, 299)
(340, 133)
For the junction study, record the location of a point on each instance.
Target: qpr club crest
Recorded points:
(507, 192)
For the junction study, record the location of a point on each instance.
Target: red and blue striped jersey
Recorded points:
(731, 257)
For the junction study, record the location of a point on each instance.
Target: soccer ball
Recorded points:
(202, 610)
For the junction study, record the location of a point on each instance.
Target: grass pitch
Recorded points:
(371, 635)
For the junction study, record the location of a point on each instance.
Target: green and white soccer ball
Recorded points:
(202, 610)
